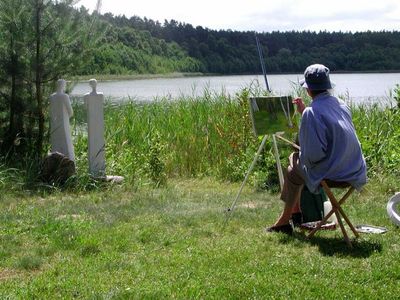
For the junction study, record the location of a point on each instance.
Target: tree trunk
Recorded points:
(38, 79)
(15, 126)
(13, 91)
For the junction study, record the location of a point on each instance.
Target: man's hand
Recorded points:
(299, 104)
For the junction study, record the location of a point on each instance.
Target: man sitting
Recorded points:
(329, 146)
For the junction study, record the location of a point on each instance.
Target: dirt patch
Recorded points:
(251, 205)
(73, 216)
(6, 274)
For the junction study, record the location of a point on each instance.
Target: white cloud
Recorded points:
(265, 15)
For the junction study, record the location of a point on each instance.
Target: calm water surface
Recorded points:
(360, 87)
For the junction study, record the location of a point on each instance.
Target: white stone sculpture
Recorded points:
(94, 102)
(60, 113)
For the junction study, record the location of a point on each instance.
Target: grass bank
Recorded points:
(122, 243)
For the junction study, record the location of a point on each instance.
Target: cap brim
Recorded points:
(303, 84)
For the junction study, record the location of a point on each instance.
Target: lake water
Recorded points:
(360, 87)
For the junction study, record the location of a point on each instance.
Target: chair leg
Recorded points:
(323, 221)
(344, 232)
(341, 212)
(338, 211)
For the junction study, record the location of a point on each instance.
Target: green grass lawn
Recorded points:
(124, 243)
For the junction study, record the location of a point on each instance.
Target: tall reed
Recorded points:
(379, 133)
(209, 135)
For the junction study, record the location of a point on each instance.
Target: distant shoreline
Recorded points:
(105, 77)
(118, 77)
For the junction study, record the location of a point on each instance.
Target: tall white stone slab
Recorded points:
(60, 113)
(94, 102)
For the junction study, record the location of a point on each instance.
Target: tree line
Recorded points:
(235, 52)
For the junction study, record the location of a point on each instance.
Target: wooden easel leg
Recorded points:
(230, 210)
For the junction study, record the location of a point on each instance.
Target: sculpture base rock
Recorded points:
(57, 168)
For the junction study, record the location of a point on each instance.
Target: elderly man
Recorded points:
(329, 146)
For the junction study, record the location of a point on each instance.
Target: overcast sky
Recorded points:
(264, 15)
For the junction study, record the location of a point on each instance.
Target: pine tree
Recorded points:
(44, 40)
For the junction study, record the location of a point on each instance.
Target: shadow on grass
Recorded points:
(335, 246)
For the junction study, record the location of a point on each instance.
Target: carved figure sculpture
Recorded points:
(60, 113)
(94, 102)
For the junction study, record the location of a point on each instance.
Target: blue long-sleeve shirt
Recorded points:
(329, 145)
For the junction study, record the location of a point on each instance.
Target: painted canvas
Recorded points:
(272, 114)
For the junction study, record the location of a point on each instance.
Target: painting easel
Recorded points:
(270, 116)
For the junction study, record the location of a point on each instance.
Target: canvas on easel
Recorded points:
(272, 114)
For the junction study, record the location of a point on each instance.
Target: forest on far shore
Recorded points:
(199, 49)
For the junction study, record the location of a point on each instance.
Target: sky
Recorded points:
(264, 15)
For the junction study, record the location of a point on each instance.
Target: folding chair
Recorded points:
(336, 208)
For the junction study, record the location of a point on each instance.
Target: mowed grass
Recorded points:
(172, 242)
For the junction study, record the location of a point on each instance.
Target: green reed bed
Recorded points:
(186, 137)
(212, 135)
(379, 133)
